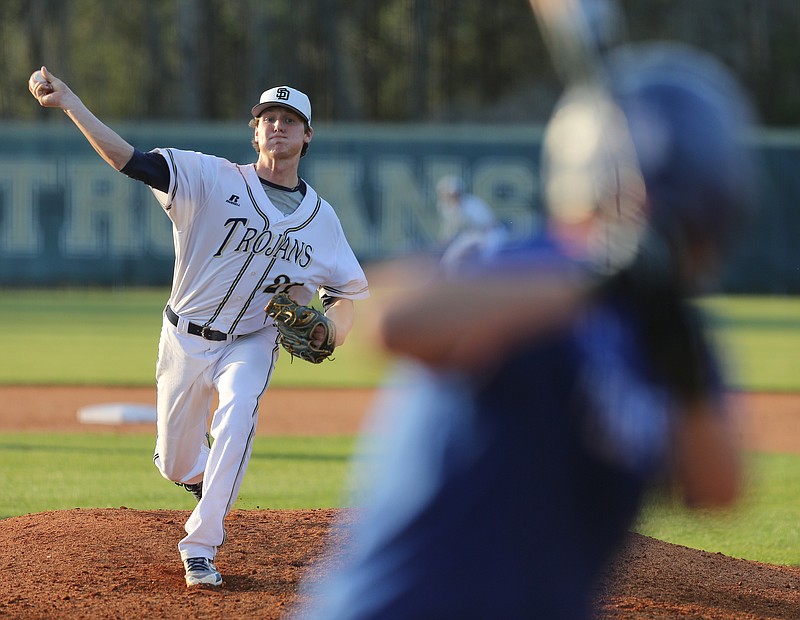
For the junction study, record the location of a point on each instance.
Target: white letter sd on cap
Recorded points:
(287, 97)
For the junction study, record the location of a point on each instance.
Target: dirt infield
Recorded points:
(121, 563)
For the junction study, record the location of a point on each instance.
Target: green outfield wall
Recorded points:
(66, 218)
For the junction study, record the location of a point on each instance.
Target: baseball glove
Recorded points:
(296, 325)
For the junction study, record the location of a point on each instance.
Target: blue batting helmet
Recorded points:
(687, 119)
(657, 141)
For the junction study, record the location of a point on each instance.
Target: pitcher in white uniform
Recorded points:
(241, 233)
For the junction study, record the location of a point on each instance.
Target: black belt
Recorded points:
(197, 330)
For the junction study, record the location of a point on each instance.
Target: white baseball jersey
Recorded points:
(234, 248)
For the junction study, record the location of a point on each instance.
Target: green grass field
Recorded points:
(760, 337)
(109, 337)
(103, 337)
(108, 471)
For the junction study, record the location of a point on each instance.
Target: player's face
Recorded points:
(281, 132)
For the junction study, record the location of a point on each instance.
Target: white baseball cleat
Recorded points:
(200, 571)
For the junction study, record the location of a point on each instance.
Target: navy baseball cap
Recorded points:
(287, 97)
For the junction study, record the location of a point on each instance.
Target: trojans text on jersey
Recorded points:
(240, 238)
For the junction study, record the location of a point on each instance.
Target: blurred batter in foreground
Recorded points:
(543, 392)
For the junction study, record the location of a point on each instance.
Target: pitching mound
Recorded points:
(120, 563)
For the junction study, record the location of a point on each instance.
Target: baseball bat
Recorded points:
(599, 188)
(567, 33)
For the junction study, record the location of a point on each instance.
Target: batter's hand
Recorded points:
(48, 90)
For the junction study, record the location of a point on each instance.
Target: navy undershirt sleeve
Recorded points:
(150, 168)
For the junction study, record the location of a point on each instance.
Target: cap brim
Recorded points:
(259, 108)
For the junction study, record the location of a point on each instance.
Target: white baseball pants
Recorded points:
(188, 371)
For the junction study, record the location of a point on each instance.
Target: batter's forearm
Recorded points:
(109, 145)
(471, 326)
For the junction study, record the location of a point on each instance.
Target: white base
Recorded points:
(117, 413)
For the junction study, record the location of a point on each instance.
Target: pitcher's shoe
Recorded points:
(201, 571)
(195, 489)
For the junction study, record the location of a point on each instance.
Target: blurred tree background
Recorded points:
(359, 60)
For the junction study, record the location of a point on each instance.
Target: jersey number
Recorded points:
(281, 283)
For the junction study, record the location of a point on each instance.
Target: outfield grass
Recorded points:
(109, 337)
(41, 471)
(760, 337)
